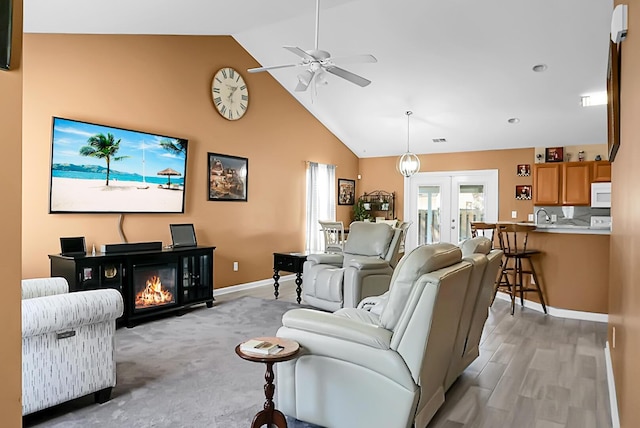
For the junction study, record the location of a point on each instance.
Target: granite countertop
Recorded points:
(570, 228)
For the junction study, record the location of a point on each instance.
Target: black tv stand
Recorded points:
(187, 273)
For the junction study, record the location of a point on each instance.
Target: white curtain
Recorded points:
(321, 202)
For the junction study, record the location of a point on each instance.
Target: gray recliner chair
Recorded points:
(360, 369)
(364, 268)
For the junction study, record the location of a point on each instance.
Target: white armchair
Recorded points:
(361, 369)
(68, 348)
(364, 268)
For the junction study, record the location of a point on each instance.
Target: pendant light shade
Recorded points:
(409, 163)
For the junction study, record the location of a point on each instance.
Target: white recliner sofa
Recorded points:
(360, 368)
(335, 280)
(475, 310)
(68, 348)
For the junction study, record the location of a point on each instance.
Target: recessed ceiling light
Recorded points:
(539, 68)
(513, 120)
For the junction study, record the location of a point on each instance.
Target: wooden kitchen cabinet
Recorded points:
(576, 183)
(601, 171)
(563, 183)
(546, 184)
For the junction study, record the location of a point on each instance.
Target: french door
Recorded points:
(442, 204)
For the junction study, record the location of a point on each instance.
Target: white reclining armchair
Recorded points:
(364, 268)
(68, 348)
(360, 369)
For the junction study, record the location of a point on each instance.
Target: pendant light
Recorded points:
(409, 163)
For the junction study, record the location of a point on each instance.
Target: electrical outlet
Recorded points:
(514, 214)
(530, 217)
(554, 217)
(235, 266)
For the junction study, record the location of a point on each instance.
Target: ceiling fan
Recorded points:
(317, 62)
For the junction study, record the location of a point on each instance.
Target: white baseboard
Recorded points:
(557, 312)
(611, 382)
(250, 285)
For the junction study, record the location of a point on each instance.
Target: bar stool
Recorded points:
(513, 241)
(479, 228)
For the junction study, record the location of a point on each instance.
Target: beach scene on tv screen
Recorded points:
(98, 168)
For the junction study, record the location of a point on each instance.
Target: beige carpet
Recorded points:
(182, 372)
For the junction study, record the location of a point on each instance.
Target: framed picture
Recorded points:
(613, 100)
(346, 191)
(554, 154)
(228, 176)
(523, 192)
(524, 170)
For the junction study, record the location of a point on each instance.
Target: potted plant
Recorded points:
(359, 211)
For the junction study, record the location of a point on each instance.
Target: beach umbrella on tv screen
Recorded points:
(169, 172)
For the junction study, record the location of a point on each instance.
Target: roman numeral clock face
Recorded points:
(230, 93)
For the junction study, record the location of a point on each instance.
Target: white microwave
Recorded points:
(601, 195)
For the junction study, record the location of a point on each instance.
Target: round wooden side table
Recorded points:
(269, 415)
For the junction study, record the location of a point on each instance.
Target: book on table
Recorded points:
(260, 347)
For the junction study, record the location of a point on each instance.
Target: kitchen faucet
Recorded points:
(546, 215)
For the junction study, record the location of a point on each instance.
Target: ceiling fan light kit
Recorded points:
(409, 163)
(318, 61)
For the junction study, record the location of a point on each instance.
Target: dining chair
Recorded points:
(333, 232)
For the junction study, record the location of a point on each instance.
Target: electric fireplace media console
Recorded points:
(151, 282)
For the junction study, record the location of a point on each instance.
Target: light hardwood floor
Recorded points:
(534, 371)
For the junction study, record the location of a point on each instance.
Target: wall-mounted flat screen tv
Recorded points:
(104, 169)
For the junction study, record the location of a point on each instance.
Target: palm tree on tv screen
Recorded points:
(103, 147)
(179, 147)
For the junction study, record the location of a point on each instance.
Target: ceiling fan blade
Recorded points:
(273, 67)
(302, 54)
(354, 59)
(353, 78)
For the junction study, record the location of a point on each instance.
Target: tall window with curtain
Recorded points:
(321, 201)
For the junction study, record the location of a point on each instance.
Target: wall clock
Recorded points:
(230, 93)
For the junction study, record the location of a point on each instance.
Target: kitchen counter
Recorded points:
(568, 228)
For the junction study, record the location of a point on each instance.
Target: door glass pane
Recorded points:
(470, 208)
(429, 201)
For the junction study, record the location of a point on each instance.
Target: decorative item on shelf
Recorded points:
(409, 163)
(346, 191)
(524, 170)
(359, 211)
(554, 154)
(598, 158)
(581, 156)
(567, 157)
(523, 192)
(539, 158)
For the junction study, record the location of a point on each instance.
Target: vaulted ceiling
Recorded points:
(462, 67)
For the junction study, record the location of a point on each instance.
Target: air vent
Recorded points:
(439, 140)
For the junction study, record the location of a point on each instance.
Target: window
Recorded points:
(321, 202)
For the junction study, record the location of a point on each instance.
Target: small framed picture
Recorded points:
(346, 191)
(227, 177)
(554, 154)
(523, 192)
(524, 170)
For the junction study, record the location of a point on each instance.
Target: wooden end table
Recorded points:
(289, 262)
(269, 415)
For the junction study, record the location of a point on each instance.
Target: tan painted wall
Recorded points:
(10, 254)
(624, 298)
(162, 84)
(381, 174)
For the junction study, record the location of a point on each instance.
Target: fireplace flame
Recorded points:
(153, 294)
